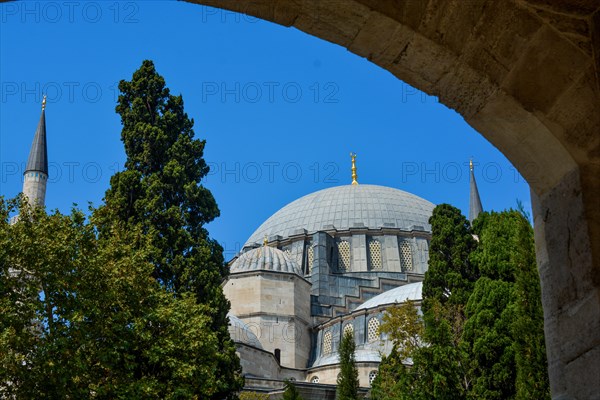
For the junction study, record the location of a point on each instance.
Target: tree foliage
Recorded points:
(450, 274)
(394, 380)
(291, 392)
(504, 328)
(159, 193)
(83, 317)
(347, 382)
(404, 328)
(482, 316)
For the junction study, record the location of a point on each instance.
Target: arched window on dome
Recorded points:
(314, 379)
(343, 255)
(376, 262)
(373, 329)
(327, 343)
(406, 256)
(372, 376)
(310, 255)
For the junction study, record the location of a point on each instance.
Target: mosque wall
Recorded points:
(276, 307)
(328, 374)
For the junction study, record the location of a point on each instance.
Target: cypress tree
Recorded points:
(347, 382)
(504, 328)
(159, 192)
(448, 283)
(482, 313)
(450, 274)
(532, 380)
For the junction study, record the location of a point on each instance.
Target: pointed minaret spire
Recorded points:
(36, 172)
(475, 207)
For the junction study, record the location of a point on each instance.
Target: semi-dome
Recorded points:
(412, 291)
(348, 206)
(265, 258)
(240, 332)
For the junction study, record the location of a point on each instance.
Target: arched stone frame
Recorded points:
(491, 62)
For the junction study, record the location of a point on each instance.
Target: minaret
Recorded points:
(36, 172)
(475, 207)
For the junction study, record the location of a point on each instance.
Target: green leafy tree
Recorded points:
(442, 365)
(394, 380)
(82, 317)
(504, 328)
(482, 314)
(404, 328)
(489, 341)
(291, 392)
(160, 193)
(347, 382)
(450, 275)
(532, 380)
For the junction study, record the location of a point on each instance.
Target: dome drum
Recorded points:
(344, 207)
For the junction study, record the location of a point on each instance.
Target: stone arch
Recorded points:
(524, 74)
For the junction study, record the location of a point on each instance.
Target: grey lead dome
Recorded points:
(344, 207)
(265, 258)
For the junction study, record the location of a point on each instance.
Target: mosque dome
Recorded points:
(265, 258)
(240, 332)
(344, 207)
(412, 291)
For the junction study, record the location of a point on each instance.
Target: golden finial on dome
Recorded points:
(44, 103)
(471, 164)
(354, 181)
(265, 241)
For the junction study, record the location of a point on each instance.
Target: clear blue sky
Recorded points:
(280, 110)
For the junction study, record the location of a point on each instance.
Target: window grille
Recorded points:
(373, 330)
(327, 342)
(372, 376)
(406, 256)
(343, 255)
(348, 329)
(375, 254)
(310, 257)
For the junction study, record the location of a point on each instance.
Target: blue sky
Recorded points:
(280, 110)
